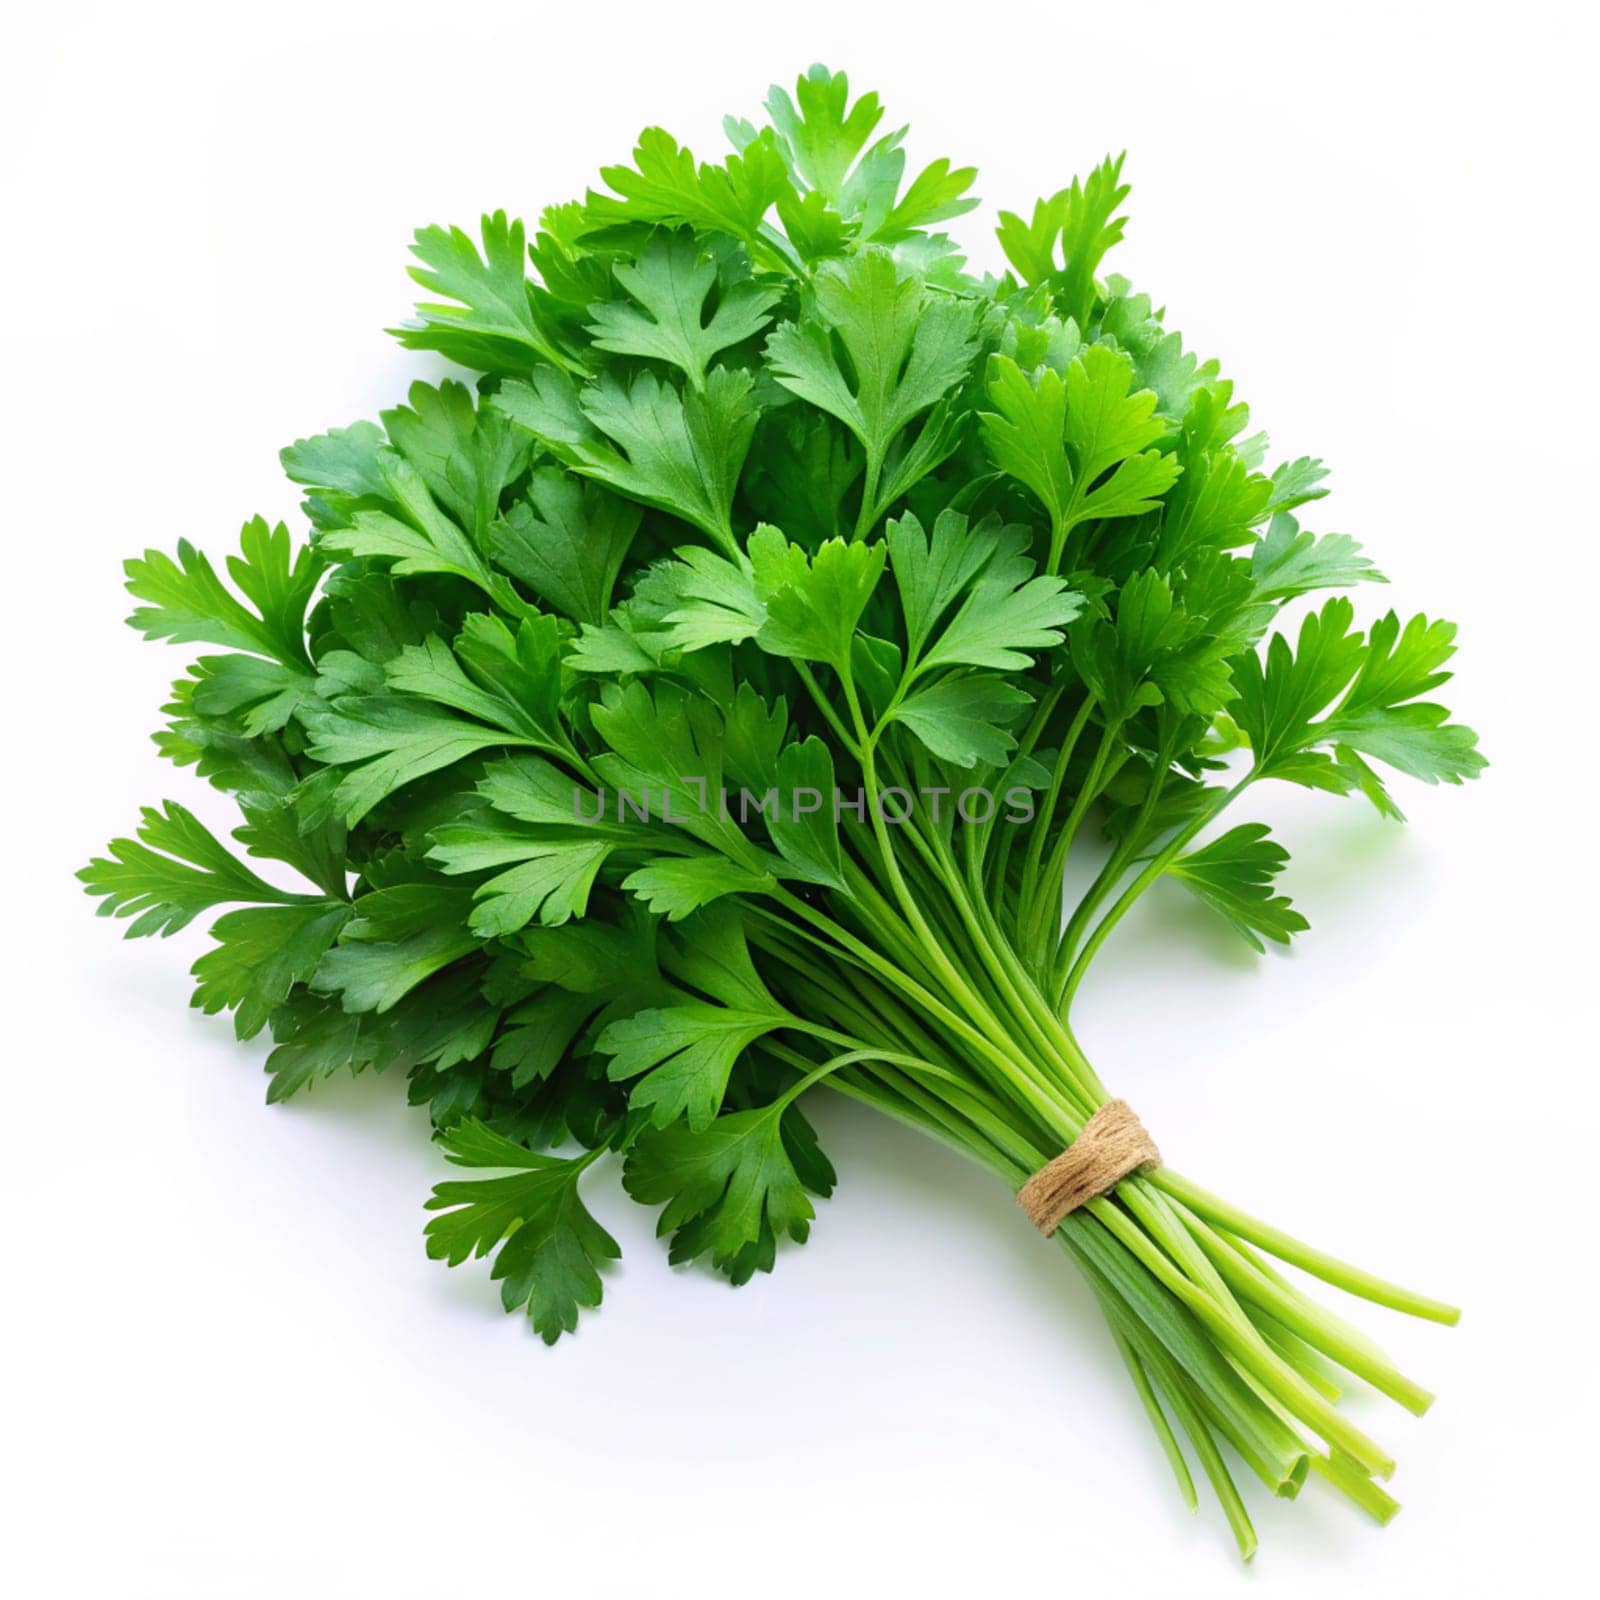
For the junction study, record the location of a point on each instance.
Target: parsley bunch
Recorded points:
(701, 709)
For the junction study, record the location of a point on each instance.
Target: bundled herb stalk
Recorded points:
(699, 712)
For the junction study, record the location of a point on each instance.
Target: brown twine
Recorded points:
(1113, 1144)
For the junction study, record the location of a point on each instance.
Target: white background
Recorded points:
(229, 1369)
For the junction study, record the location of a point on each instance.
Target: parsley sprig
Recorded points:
(759, 495)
